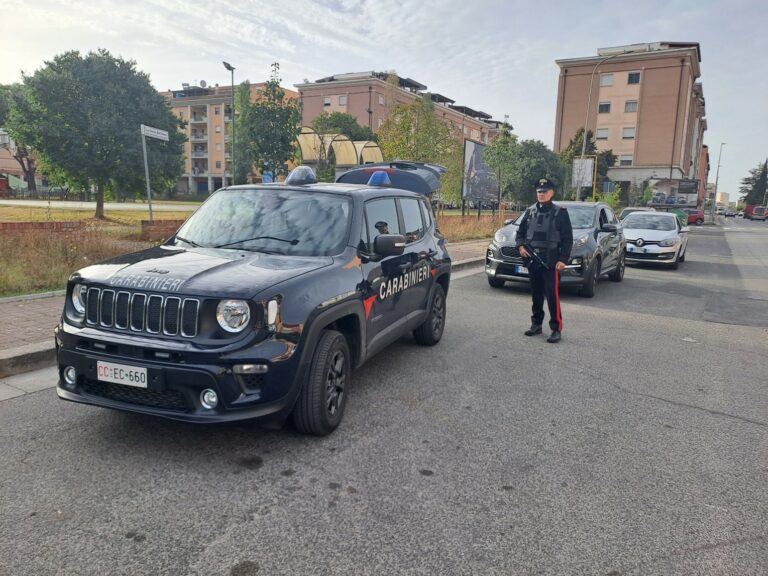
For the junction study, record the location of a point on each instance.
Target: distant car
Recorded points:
(759, 213)
(682, 200)
(627, 211)
(720, 211)
(740, 213)
(695, 216)
(730, 213)
(657, 238)
(598, 249)
(671, 200)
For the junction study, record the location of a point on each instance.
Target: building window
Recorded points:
(606, 79)
(628, 133)
(604, 108)
(218, 129)
(343, 100)
(218, 163)
(217, 110)
(630, 106)
(381, 100)
(602, 134)
(633, 78)
(625, 160)
(326, 100)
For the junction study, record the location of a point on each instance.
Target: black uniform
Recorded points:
(546, 230)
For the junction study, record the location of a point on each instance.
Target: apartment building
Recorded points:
(208, 114)
(642, 101)
(369, 97)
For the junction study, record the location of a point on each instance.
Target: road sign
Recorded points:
(154, 133)
(582, 172)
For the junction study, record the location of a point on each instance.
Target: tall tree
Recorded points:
(82, 116)
(20, 152)
(755, 185)
(501, 157)
(534, 160)
(275, 123)
(605, 159)
(341, 123)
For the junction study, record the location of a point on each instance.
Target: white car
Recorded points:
(655, 237)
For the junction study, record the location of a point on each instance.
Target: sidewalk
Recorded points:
(26, 330)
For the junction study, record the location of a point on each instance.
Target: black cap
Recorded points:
(544, 184)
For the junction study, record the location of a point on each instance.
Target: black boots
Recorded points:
(533, 330)
(554, 337)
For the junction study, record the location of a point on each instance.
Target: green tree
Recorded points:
(605, 159)
(20, 152)
(82, 116)
(245, 154)
(754, 186)
(501, 157)
(341, 123)
(534, 160)
(274, 126)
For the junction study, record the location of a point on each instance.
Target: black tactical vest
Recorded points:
(541, 232)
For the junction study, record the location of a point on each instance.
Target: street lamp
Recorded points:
(717, 178)
(231, 68)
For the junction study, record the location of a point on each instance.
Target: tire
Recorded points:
(495, 282)
(682, 257)
(320, 405)
(699, 222)
(618, 273)
(430, 332)
(676, 263)
(590, 284)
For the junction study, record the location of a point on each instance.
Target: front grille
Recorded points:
(510, 252)
(645, 242)
(137, 312)
(169, 400)
(650, 255)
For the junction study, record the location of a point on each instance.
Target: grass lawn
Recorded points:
(35, 214)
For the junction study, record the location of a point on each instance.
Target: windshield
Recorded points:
(581, 216)
(649, 222)
(272, 220)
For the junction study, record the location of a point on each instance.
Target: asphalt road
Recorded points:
(638, 445)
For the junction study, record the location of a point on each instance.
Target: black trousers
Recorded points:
(545, 283)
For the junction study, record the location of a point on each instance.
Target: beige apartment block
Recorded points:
(642, 101)
(208, 114)
(369, 97)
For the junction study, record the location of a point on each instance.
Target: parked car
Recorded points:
(759, 213)
(657, 238)
(259, 307)
(730, 213)
(598, 250)
(695, 216)
(627, 211)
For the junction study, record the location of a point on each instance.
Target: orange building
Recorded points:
(642, 101)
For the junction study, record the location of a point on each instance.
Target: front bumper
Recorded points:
(174, 384)
(651, 253)
(508, 267)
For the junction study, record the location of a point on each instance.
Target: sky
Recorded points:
(498, 57)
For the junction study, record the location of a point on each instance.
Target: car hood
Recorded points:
(648, 234)
(199, 271)
(510, 231)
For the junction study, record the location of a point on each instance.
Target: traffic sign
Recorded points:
(154, 133)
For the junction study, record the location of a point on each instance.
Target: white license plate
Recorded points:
(121, 374)
(521, 270)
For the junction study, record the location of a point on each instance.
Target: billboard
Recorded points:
(583, 172)
(479, 182)
(683, 193)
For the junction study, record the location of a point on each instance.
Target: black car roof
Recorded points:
(332, 188)
(413, 176)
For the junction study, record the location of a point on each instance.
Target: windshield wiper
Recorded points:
(291, 242)
(193, 244)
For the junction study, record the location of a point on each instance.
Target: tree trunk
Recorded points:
(28, 167)
(100, 201)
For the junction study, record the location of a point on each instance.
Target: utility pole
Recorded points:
(717, 179)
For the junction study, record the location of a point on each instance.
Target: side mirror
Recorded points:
(389, 244)
(508, 221)
(609, 228)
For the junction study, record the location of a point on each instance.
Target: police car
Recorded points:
(259, 307)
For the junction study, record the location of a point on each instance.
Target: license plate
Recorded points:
(521, 270)
(630, 248)
(121, 374)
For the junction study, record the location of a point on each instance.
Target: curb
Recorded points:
(27, 358)
(468, 263)
(37, 296)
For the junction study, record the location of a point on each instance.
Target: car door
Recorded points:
(609, 241)
(418, 250)
(384, 305)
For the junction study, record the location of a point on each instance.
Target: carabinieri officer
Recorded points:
(544, 239)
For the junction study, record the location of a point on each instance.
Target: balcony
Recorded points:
(200, 154)
(198, 172)
(198, 119)
(227, 117)
(198, 137)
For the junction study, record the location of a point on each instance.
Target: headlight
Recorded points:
(233, 315)
(667, 243)
(580, 241)
(500, 236)
(78, 298)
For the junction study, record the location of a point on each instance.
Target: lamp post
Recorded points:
(717, 178)
(231, 68)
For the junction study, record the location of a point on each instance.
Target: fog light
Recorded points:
(209, 399)
(250, 368)
(70, 375)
